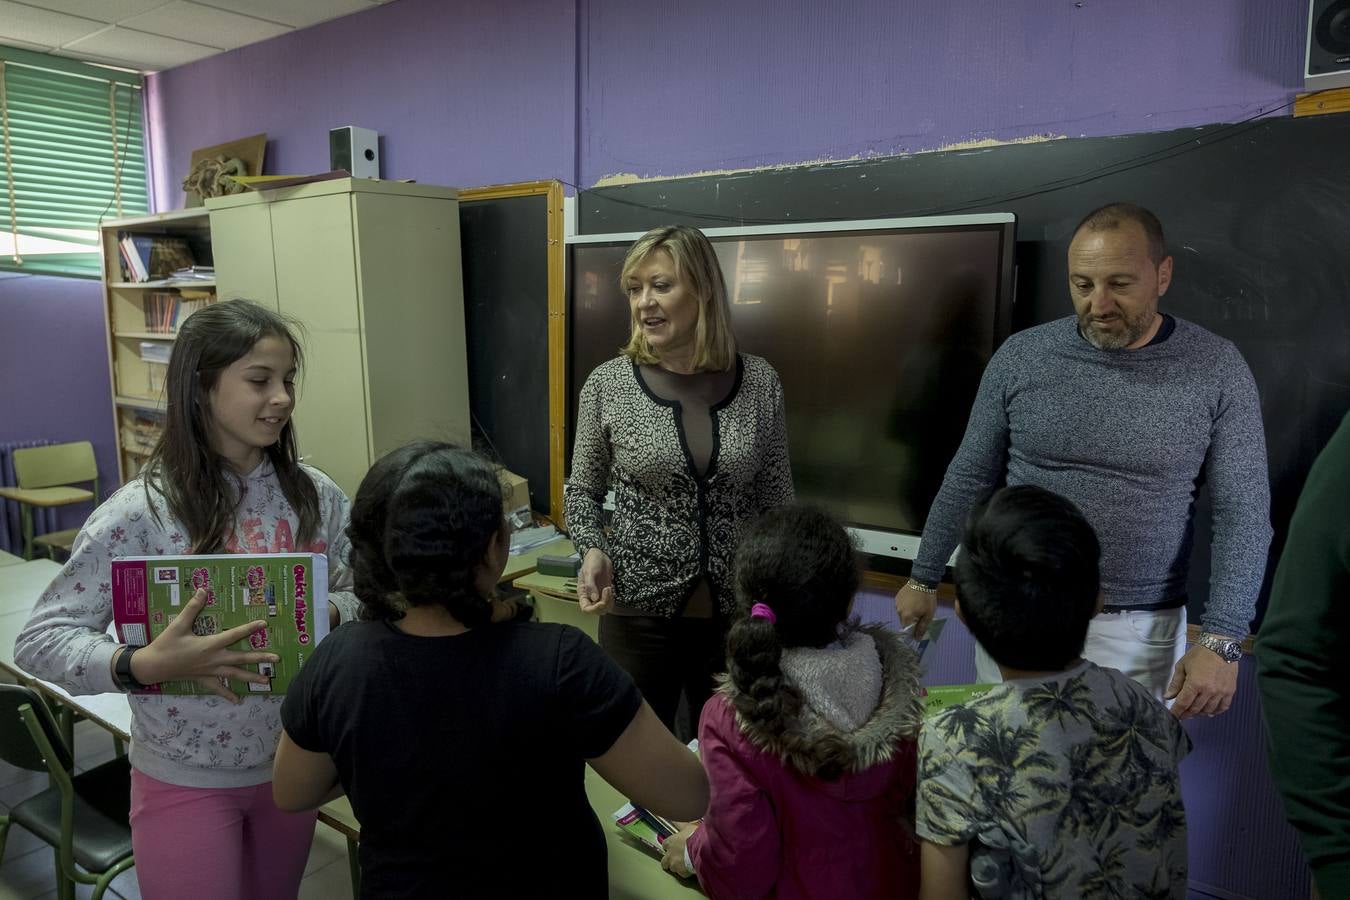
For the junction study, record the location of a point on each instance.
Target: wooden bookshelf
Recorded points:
(138, 401)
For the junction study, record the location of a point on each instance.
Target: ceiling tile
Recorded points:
(102, 10)
(145, 51)
(297, 13)
(205, 25)
(25, 45)
(19, 21)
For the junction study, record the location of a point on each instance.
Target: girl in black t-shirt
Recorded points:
(423, 711)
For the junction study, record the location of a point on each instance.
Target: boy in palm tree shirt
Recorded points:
(1062, 781)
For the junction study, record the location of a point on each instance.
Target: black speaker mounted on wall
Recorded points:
(1327, 63)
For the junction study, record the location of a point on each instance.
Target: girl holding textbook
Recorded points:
(225, 477)
(463, 746)
(810, 742)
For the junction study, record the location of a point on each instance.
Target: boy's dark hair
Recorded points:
(1027, 578)
(799, 562)
(190, 475)
(423, 519)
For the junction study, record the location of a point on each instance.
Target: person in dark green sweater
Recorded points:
(1302, 643)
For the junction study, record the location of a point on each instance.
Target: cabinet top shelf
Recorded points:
(190, 284)
(334, 186)
(198, 216)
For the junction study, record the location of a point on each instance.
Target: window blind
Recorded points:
(72, 152)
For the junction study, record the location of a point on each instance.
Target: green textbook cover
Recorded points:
(289, 591)
(940, 697)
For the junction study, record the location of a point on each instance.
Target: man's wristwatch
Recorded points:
(122, 670)
(922, 587)
(1228, 650)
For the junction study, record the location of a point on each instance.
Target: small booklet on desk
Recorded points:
(646, 827)
(289, 591)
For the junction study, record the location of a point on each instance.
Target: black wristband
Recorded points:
(122, 670)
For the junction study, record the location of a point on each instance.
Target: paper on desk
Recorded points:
(529, 538)
(930, 636)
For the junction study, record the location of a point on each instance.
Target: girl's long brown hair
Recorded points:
(191, 476)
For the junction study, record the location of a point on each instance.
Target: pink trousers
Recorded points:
(216, 843)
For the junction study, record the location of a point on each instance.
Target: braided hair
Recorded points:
(801, 563)
(423, 519)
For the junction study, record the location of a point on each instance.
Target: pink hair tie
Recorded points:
(762, 611)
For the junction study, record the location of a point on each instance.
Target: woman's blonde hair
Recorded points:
(696, 265)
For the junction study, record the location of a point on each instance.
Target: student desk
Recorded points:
(9, 559)
(518, 564)
(21, 584)
(555, 600)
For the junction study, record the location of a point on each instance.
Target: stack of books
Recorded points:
(165, 311)
(146, 257)
(142, 432)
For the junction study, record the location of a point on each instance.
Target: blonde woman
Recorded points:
(690, 436)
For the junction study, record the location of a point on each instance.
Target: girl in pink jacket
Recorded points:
(809, 743)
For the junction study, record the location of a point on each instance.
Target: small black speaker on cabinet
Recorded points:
(1327, 63)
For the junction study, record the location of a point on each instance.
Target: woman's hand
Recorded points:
(595, 583)
(179, 655)
(672, 851)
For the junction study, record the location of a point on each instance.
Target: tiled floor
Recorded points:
(28, 870)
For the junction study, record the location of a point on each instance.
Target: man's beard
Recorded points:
(1117, 332)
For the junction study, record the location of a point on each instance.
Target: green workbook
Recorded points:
(288, 591)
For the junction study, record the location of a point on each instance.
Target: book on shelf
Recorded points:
(141, 431)
(194, 273)
(165, 311)
(146, 257)
(288, 591)
(155, 351)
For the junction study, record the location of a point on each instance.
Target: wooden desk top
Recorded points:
(21, 584)
(553, 585)
(519, 564)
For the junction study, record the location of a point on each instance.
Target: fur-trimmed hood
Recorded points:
(813, 745)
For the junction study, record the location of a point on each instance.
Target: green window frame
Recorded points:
(72, 153)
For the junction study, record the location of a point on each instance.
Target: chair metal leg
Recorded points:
(354, 862)
(107, 878)
(65, 720)
(65, 888)
(26, 518)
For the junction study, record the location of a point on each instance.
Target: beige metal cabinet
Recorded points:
(371, 270)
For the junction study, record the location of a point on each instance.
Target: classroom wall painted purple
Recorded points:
(462, 94)
(54, 369)
(474, 94)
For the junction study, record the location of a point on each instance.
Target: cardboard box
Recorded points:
(515, 491)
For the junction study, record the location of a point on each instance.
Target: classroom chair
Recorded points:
(84, 817)
(46, 478)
